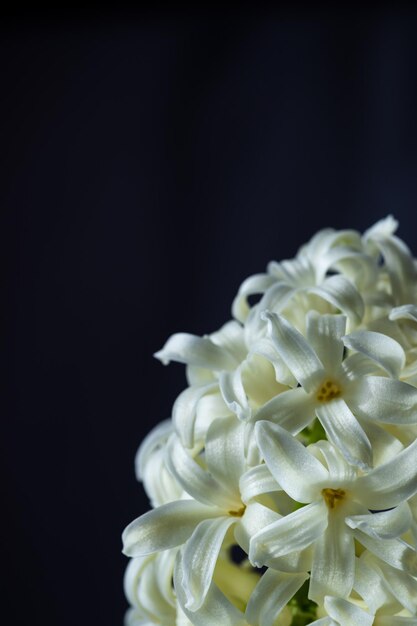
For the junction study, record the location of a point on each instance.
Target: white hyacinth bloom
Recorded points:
(229, 373)
(214, 505)
(284, 488)
(338, 500)
(343, 393)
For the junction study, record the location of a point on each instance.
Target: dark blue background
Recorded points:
(149, 163)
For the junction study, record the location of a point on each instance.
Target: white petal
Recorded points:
(258, 283)
(197, 376)
(259, 380)
(296, 272)
(132, 573)
(293, 410)
(385, 524)
(265, 349)
(388, 485)
(225, 453)
(347, 613)
(358, 365)
(234, 395)
(339, 469)
(181, 619)
(291, 533)
(184, 411)
(296, 562)
(167, 526)
(324, 334)
(159, 484)
(342, 295)
(164, 566)
(210, 407)
(395, 552)
(216, 608)
(193, 350)
(404, 312)
(345, 432)
(255, 517)
(149, 597)
(276, 297)
(400, 266)
(333, 569)
(381, 229)
(369, 583)
(380, 348)
(197, 482)
(360, 268)
(256, 481)
(231, 338)
(292, 466)
(401, 585)
(384, 400)
(153, 440)
(135, 617)
(295, 351)
(271, 595)
(199, 559)
(384, 445)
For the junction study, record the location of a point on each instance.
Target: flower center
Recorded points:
(237, 513)
(333, 497)
(328, 390)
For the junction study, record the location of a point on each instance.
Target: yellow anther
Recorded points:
(328, 390)
(237, 513)
(333, 497)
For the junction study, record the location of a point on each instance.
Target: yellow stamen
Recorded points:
(328, 390)
(237, 513)
(333, 497)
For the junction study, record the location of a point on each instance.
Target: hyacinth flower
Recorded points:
(213, 505)
(217, 365)
(337, 502)
(284, 488)
(343, 393)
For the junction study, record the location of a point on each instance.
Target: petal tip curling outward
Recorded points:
(383, 228)
(161, 356)
(165, 527)
(194, 350)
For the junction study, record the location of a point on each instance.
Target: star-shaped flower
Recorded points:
(343, 393)
(337, 500)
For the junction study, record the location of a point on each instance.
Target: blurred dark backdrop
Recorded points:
(150, 161)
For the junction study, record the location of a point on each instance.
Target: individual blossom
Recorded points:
(229, 374)
(350, 396)
(214, 513)
(336, 500)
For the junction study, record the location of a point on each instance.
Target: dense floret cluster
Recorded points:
(284, 487)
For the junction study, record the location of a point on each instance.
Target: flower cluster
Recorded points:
(284, 487)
